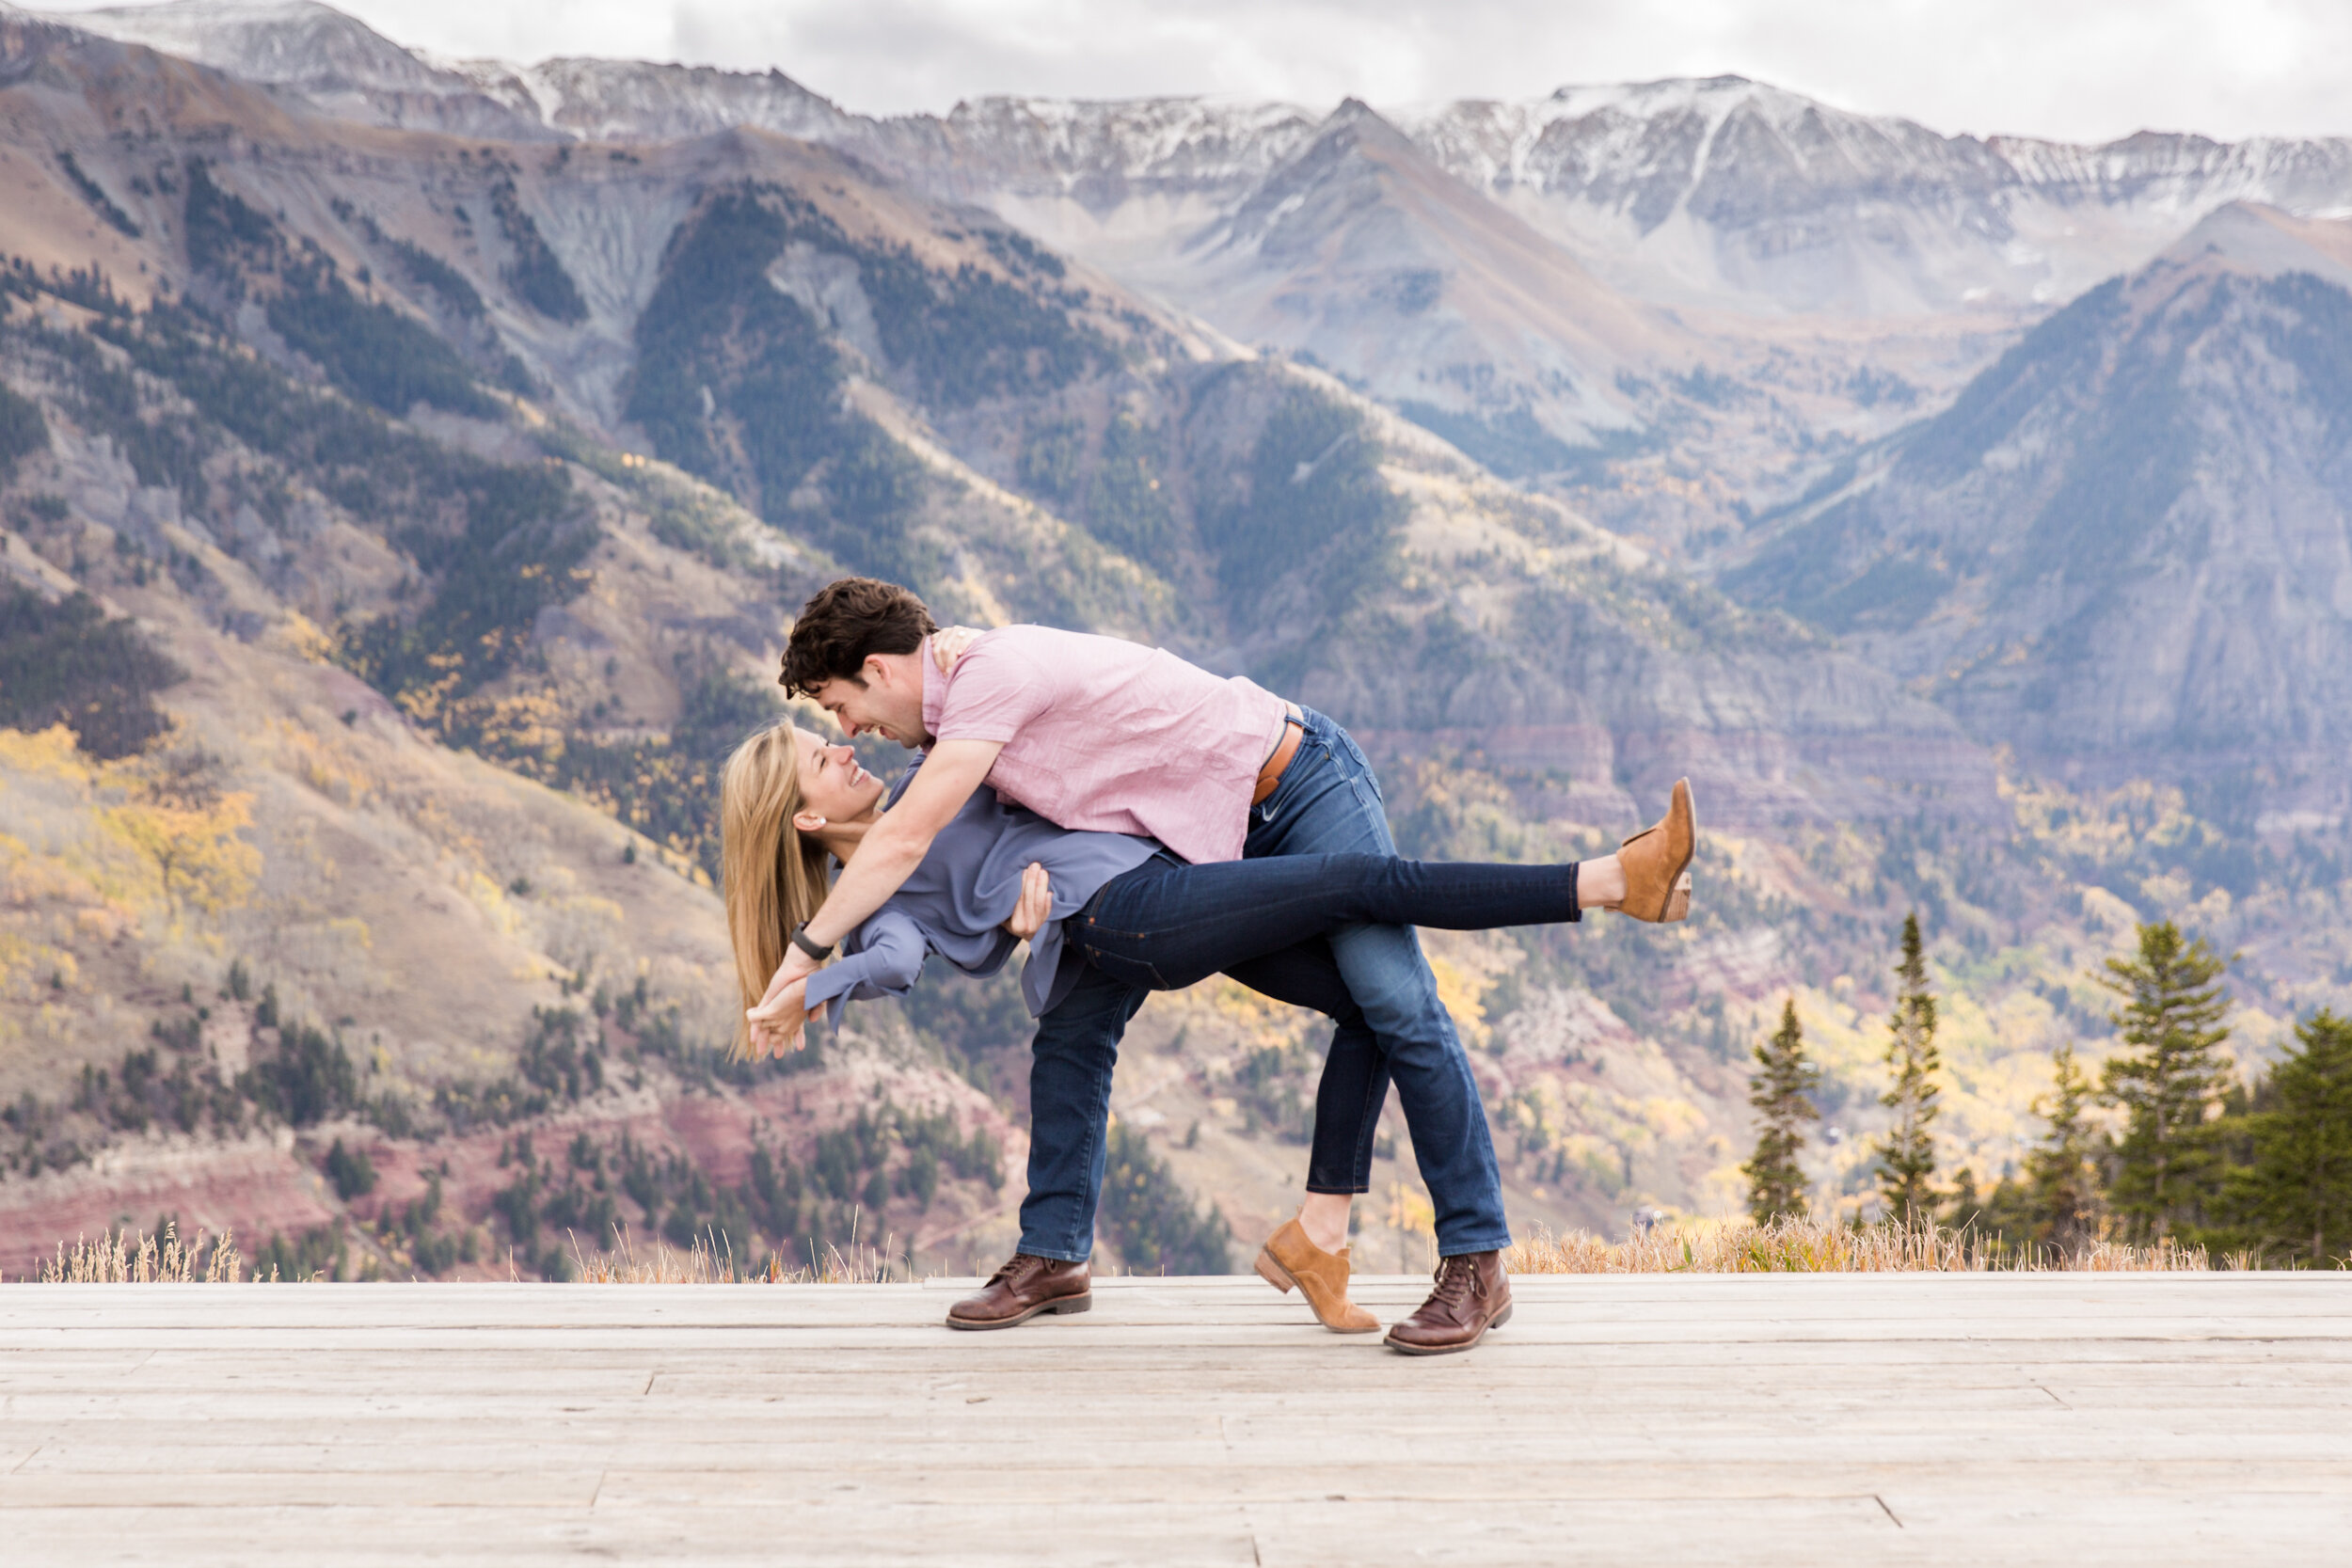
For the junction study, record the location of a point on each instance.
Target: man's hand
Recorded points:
(949, 645)
(1036, 906)
(777, 1021)
(797, 966)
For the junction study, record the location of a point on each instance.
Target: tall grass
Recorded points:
(712, 1260)
(135, 1258)
(115, 1258)
(1791, 1245)
(1783, 1246)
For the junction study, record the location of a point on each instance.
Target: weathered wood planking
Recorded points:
(1639, 1419)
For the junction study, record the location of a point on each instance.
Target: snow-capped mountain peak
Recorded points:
(1694, 191)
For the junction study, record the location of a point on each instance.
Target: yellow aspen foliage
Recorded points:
(1462, 992)
(303, 637)
(199, 860)
(1410, 1211)
(154, 830)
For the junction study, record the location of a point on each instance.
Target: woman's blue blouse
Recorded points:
(955, 903)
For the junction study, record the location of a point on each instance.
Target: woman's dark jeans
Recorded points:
(1166, 924)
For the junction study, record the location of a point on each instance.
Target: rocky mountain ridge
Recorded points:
(1672, 304)
(2173, 450)
(1722, 191)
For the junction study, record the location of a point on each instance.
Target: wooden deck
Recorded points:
(1647, 1419)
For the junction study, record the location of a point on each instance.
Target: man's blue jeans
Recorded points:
(1070, 1103)
(1330, 805)
(1371, 978)
(1069, 1087)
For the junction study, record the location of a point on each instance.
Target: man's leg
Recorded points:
(1330, 803)
(1355, 1083)
(1070, 1098)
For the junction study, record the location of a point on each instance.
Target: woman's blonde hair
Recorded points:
(775, 876)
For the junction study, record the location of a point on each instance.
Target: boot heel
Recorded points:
(1502, 1317)
(1271, 1272)
(1075, 1304)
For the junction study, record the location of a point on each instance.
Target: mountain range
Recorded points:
(2128, 537)
(409, 467)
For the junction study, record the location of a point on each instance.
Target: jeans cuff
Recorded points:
(1328, 1189)
(1058, 1253)
(1459, 1246)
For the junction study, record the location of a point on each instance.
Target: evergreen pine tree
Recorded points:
(1781, 1092)
(1965, 1206)
(2167, 1164)
(2062, 1198)
(2297, 1191)
(1906, 1155)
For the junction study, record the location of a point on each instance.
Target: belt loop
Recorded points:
(1277, 762)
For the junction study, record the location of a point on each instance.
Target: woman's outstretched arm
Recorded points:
(887, 963)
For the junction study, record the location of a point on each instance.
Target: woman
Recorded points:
(1124, 907)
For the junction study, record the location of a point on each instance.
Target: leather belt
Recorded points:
(1270, 776)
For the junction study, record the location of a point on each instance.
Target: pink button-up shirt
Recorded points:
(1106, 735)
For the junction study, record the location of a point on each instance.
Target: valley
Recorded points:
(409, 470)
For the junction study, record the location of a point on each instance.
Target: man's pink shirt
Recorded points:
(1105, 736)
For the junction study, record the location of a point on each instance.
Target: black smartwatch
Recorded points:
(800, 940)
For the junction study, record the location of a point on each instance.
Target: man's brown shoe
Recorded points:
(1656, 861)
(1472, 1296)
(1021, 1290)
(1289, 1261)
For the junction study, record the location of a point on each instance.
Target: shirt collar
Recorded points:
(934, 689)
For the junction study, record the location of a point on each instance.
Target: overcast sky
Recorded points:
(2080, 70)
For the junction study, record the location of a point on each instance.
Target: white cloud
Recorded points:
(2073, 69)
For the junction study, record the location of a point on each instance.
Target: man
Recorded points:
(1095, 733)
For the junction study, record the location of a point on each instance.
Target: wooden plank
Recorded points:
(857, 1531)
(1749, 1419)
(1711, 1297)
(167, 1488)
(1051, 1472)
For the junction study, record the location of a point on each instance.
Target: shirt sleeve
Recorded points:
(888, 962)
(997, 689)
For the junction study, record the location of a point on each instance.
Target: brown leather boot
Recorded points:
(1289, 1261)
(1472, 1296)
(1656, 861)
(1021, 1290)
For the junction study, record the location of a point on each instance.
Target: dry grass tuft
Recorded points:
(114, 1258)
(710, 1262)
(1790, 1245)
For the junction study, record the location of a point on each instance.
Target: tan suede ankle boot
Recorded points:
(1289, 1260)
(1657, 862)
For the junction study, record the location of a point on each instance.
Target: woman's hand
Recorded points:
(949, 645)
(1036, 906)
(777, 1021)
(796, 969)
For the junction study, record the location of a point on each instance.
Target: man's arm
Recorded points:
(894, 848)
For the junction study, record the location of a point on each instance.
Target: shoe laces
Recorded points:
(1017, 1268)
(1456, 1279)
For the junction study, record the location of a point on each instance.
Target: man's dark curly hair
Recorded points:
(847, 622)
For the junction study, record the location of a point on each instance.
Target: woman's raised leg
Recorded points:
(1169, 925)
